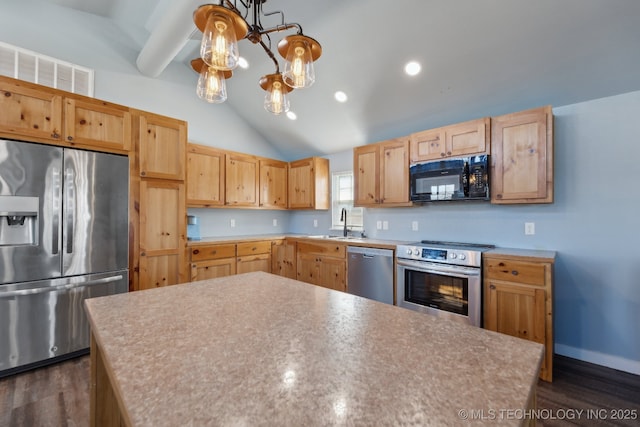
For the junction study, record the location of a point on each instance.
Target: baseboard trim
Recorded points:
(614, 362)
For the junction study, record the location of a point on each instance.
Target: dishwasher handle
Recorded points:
(369, 252)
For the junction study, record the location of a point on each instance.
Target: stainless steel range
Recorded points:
(442, 279)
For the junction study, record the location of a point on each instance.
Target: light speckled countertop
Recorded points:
(259, 349)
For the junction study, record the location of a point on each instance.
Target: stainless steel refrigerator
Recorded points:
(63, 238)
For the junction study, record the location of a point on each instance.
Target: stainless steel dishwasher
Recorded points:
(370, 273)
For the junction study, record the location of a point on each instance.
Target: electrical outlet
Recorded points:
(275, 222)
(385, 225)
(414, 226)
(378, 225)
(529, 228)
(315, 223)
(232, 223)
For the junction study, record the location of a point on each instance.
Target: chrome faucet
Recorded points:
(343, 217)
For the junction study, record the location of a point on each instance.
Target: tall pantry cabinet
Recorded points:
(157, 203)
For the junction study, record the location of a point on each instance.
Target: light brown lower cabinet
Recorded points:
(518, 299)
(162, 234)
(322, 264)
(254, 256)
(211, 261)
(283, 258)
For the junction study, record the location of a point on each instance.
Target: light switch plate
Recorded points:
(232, 223)
(414, 226)
(529, 228)
(275, 222)
(385, 225)
(315, 223)
(378, 225)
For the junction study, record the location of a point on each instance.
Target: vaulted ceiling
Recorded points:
(479, 58)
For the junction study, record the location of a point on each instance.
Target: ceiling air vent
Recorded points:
(41, 69)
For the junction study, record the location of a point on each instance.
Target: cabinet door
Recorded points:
(29, 111)
(97, 124)
(468, 138)
(250, 263)
(283, 258)
(428, 145)
(301, 184)
(366, 174)
(308, 269)
(203, 270)
(516, 310)
(333, 273)
(205, 176)
(162, 233)
(522, 157)
(242, 180)
(394, 172)
(273, 184)
(162, 147)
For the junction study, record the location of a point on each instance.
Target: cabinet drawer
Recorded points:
(252, 248)
(326, 249)
(515, 271)
(202, 253)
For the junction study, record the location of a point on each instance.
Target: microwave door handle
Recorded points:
(70, 208)
(55, 211)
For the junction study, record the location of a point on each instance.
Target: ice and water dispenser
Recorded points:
(18, 220)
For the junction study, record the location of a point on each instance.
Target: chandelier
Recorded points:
(223, 25)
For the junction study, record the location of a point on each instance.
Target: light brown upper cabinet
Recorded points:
(95, 123)
(381, 174)
(30, 110)
(273, 184)
(52, 116)
(309, 184)
(462, 139)
(522, 157)
(162, 147)
(205, 176)
(242, 180)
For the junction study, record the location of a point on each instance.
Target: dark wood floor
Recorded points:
(58, 396)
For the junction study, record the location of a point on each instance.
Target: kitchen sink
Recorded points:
(327, 236)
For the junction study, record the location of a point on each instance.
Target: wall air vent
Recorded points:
(41, 69)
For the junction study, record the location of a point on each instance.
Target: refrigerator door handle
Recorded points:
(34, 291)
(70, 204)
(55, 209)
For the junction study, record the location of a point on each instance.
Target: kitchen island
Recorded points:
(259, 349)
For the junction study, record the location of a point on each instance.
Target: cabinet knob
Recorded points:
(143, 254)
(492, 286)
(514, 272)
(196, 251)
(69, 138)
(448, 153)
(55, 135)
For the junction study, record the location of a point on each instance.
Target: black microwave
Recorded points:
(464, 178)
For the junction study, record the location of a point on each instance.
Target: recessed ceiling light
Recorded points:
(291, 115)
(412, 68)
(340, 96)
(243, 63)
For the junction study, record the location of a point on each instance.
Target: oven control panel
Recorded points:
(441, 255)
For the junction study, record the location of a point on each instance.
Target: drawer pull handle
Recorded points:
(514, 272)
(501, 264)
(196, 252)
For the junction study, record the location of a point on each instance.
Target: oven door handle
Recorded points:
(453, 271)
